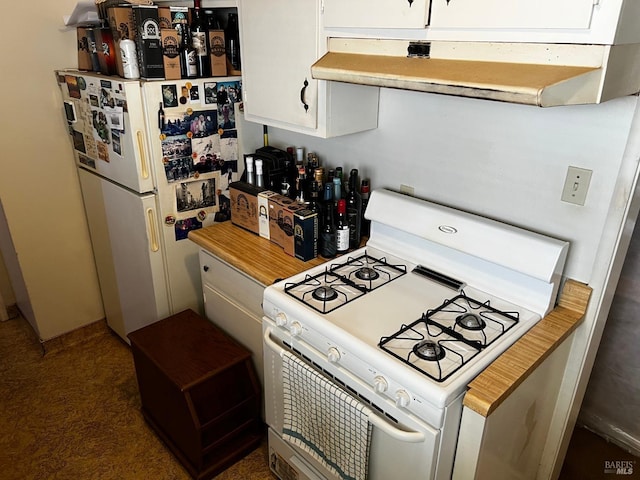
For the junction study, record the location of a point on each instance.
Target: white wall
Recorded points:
(500, 160)
(38, 185)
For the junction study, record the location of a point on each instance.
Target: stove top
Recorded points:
(434, 297)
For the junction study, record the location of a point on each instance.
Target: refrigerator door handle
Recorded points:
(154, 245)
(144, 167)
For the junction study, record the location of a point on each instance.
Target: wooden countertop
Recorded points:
(266, 262)
(488, 390)
(256, 256)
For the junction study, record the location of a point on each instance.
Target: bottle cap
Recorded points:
(259, 166)
(342, 206)
(249, 163)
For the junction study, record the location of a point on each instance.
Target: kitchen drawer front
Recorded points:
(232, 283)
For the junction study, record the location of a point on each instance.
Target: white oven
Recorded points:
(367, 357)
(394, 433)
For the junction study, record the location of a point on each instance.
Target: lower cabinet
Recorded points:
(511, 443)
(233, 302)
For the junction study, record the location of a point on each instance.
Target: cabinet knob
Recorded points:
(205, 268)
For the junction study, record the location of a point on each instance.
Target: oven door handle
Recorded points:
(375, 420)
(271, 344)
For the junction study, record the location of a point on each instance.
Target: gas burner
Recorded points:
(325, 293)
(470, 321)
(367, 273)
(371, 272)
(474, 320)
(429, 350)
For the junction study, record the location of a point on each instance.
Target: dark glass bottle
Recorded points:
(327, 238)
(365, 225)
(342, 228)
(354, 209)
(314, 198)
(232, 40)
(199, 41)
(188, 67)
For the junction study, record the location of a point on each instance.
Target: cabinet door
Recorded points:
(279, 45)
(516, 14)
(376, 13)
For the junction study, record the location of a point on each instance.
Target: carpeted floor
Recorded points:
(74, 414)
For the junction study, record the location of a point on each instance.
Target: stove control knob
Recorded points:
(402, 398)
(281, 319)
(380, 385)
(333, 355)
(295, 329)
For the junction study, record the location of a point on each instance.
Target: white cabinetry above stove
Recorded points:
(522, 14)
(540, 53)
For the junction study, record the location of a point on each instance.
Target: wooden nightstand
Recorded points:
(199, 392)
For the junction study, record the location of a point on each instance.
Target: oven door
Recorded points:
(400, 444)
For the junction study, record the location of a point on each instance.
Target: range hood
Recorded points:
(544, 75)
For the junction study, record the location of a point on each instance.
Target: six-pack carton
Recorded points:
(244, 205)
(276, 217)
(148, 41)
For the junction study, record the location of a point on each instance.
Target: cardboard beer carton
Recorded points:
(244, 205)
(218, 53)
(171, 54)
(84, 56)
(148, 41)
(263, 213)
(122, 27)
(305, 234)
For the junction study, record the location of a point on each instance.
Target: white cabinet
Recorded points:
(280, 40)
(543, 21)
(233, 302)
(458, 13)
(511, 14)
(376, 14)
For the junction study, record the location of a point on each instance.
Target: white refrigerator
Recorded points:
(154, 160)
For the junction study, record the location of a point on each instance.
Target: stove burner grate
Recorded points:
(374, 272)
(446, 338)
(325, 291)
(341, 283)
(477, 321)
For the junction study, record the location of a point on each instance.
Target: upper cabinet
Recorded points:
(280, 40)
(548, 21)
(544, 52)
(575, 14)
(386, 14)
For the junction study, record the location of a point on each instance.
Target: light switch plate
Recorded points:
(576, 185)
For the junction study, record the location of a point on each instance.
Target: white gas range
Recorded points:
(388, 337)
